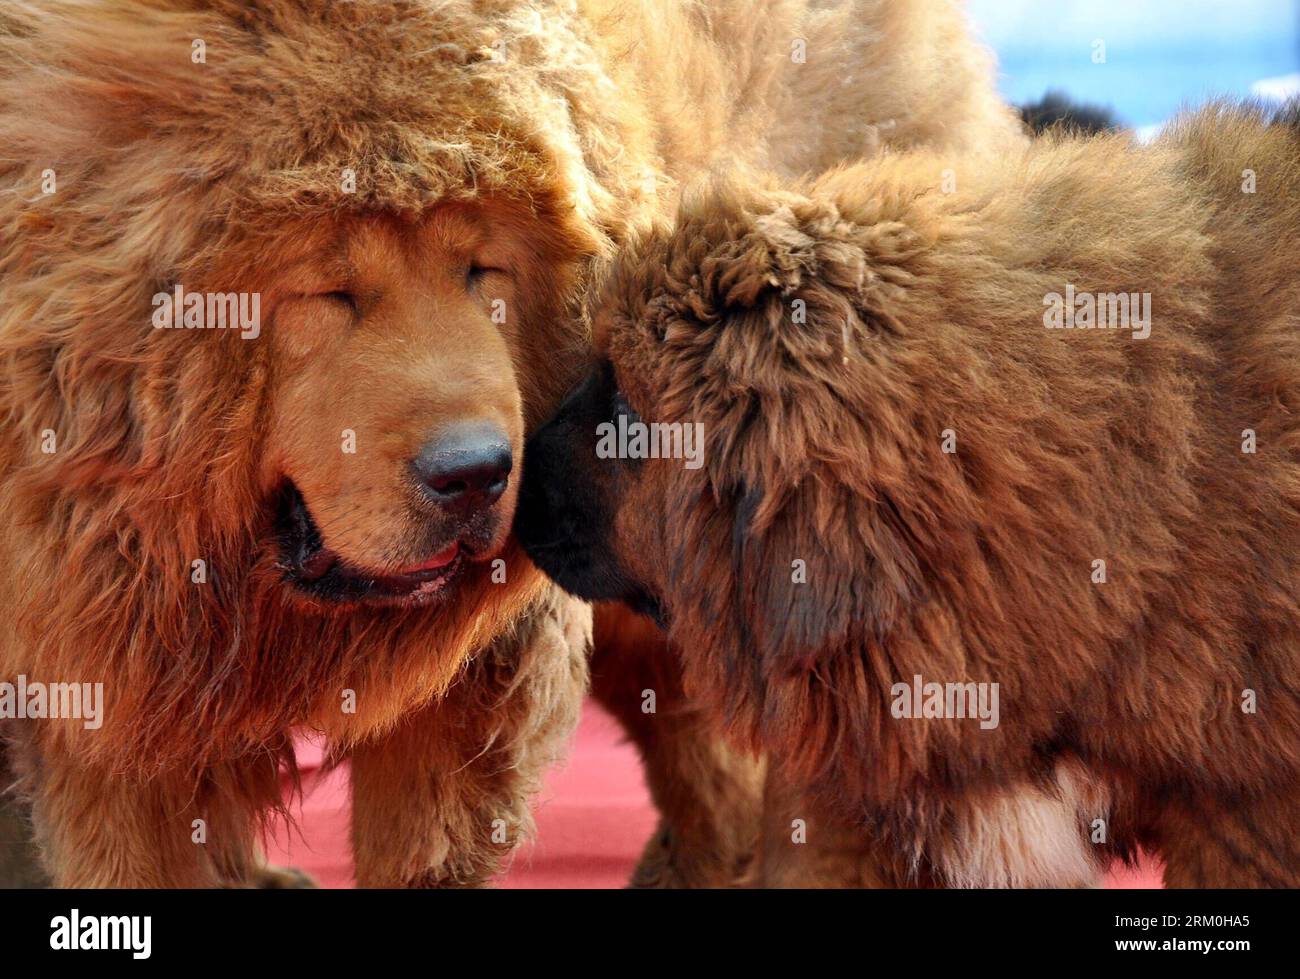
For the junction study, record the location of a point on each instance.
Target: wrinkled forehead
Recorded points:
(496, 231)
(357, 241)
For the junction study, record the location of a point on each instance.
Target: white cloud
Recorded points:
(1280, 88)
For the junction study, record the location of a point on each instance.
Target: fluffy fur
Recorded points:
(1125, 701)
(228, 175)
(527, 137)
(876, 75)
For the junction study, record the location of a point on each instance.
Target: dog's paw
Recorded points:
(270, 878)
(666, 863)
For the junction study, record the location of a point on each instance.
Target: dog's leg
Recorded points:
(269, 878)
(805, 845)
(20, 865)
(103, 829)
(709, 795)
(443, 800)
(1025, 835)
(1232, 842)
(810, 843)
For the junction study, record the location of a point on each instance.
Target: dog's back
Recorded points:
(1156, 408)
(1107, 333)
(1110, 333)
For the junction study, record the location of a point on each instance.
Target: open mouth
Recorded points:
(312, 568)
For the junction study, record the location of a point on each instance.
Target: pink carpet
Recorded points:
(592, 820)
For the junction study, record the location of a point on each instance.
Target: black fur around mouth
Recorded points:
(317, 572)
(594, 581)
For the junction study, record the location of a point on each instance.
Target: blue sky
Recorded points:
(1160, 54)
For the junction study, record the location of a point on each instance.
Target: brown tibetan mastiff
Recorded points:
(281, 290)
(976, 507)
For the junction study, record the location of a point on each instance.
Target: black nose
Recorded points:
(465, 468)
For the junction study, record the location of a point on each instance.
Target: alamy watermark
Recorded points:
(634, 439)
(1098, 311)
(34, 700)
(181, 310)
(102, 932)
(928, 700)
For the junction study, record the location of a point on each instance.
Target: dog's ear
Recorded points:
(816, 572)
(765, 291)
(748, 241)
(771, 313)
(771, 324)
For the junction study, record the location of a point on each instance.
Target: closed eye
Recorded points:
(476, 273)
(342, 296)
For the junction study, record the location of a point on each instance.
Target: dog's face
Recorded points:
(627, 496)
(585, 513)
(398, 417)
(714, 461)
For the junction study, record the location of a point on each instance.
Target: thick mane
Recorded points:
(203, 173)
(292, 92)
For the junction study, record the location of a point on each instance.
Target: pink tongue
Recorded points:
(439, 560)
